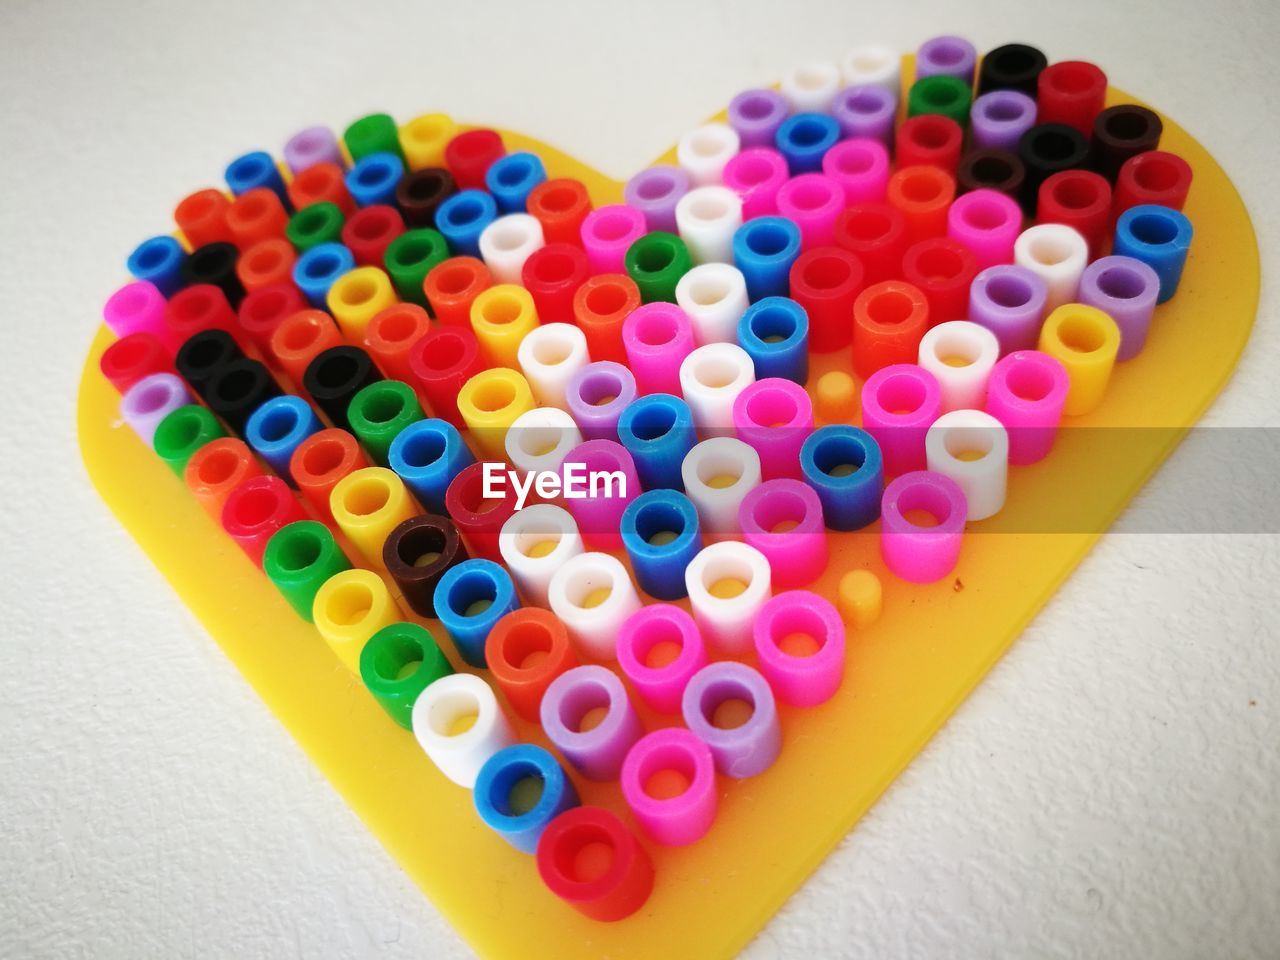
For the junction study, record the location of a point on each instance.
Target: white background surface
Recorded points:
(1112, 789)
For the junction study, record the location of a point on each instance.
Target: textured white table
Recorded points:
(1113, 788)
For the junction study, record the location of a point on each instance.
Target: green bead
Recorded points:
(379, 412)
(318, 223)
(410, 258)
(299, 558)
(656, 262)
(945, 95)
(375, 133)
(182, 433)
(397, 664)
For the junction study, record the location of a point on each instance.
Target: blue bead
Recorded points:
(374, 178)
(427, 455)
(804, 140)
(764, 250)
(317, 269)
(257, 169)
(463, 217)
(775, 333)
(499, 776)
(276, 429)
(659, 567)
(471, 582)
(159, 261)
(850, 500)
(512, 178)
(657, 430)
(1158, 236)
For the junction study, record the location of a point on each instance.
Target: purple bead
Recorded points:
(313, 145)
(150, 400)
(1126, 290)
(756, 115)
(997, 120)
(596, 753)
(947, 57)
(597, 394)
(655, 192)
(1009, 300)
(867, 110)
(745, 750)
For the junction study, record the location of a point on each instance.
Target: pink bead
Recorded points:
(899, 404)
(774, 417)
(988, 223)
(657, 628)
(800, 680)
(684, 818)
(813, 201)
(797, 555)
(1026, 393)
(656, 338)
(138, 307)
(599, 517)
(607, 232)
(922, 554)
(756, 175)
(861, 167)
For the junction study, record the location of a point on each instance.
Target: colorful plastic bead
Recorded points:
(654, 191)
(929, 139)
(997, 120)
(478, 516)
(593, 595)
(875, 64)
(512, 178)
(417, 554)
(255, 510)
(357, 297)
(656, 338)
(183, 432)
(198, 308)
(277, 428)
(711, 377)
(804, 139)
(202, 217)
(1013, 66)
(755, 116)
(756, 176)
(971, 448)
(660, 533)
(385, 664)
(991, 169)
(409, 258)
(942, 95)
(451, 288)
(300, 338)
(391, 334)
(774, 416)
(498, 794)
(369, 233)
(924, 195)
(310, 146)
(350, 607)
(335, 376)
(424, 138)
(876, 234)
(947, 57)
(549, 355)
(717, 474)
(420, 193)
(133, 357)
(538, 443)
(1009, 301)
(439, 722)
(783, 520)
(1122, 132)
(707, 218)
(596, 396)
(1057, 254)
(656, 262)
(825, 282)
(158, 260)
(461, 219)
(256, 216)
(442, 362)
(1046, 149)
(744, 750)
(526, 650)
(845, 468)
(468, 156)
(1158, 236)
(1126, 290)
(986, 222)
(552, 275)
(659, 651)
(889, 319)
(507, 243)
(320, 462)
(961, 356)
(763, 251)
(214, 264)
(427, 455)
(943, 270)
(810, 87)
(599, 516)
(367, 504)
(238, 388)
(596, 751)
(714, 297)
(215, 470)
(728, 582)
(861, 167)
(254, 170)
(379, 412)
(203, 354)
(657, 430)
(533, 543)
(774, 332)
(1080, 199)
(607, 234)
(866, 111)
(915, 553)
(268, 263)
(138, 307)
(374, 133)
(1085, 341)
(703, 152)
(323, 183)
(811, 674)
(1071, 92)
(899, 402)
(812, 201)
(560, 205)
(620, 890)
(600, 306)
(470, 599)
(264, 309)
(299, 559)
(685, 816)
(316, 270)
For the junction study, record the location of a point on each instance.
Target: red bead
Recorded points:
(876, 234)
(133, 357)
(929, 139)
(390, 336)
(267, 263)
(300, 338)
(264, 309)
(1154, 177)
(200, 307)
(552, 275)
(888, 321)
(321, 183)
(477, 517)
(370, 231)
(1072, 92)
(202, 218)
(452, 286)
(255, 510)
(440, 363)
(600, 307)
(1080, 199)
(941, 269)
(256, 215)
(607, 891)
(320, 462)
(468, 156)
(560, 206)
(826, 281)
(923, 195)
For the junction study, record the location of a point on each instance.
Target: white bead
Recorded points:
(1057, 253)
(507, 243)
(549, 355)
(972, 448)
(523, 545)
(706, 219)
(726, 622)
(707, 470)
(714, 296)
(711, 377)
(593, 578)
(539, 439)
(960, 355)
(873, 64)
(441, 706)
(703, 152)
(811, 87)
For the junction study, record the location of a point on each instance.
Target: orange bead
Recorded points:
(560, 206)
(320, 183)
(923, 194)
(256, 215)
(525, 651)
(889, 319)
(320, 462)
(267, 262)
(216, 469)
(390, 336)
(452, 286)
(600, 306)
(202, 217)
(300, 337)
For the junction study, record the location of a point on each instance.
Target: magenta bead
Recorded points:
(655, 192)
(756, 115)
(596, 396)
(866, 110)
(861, 167)
(654, 626)
(922, 554)
(797, 556)
(656, 338)
(138, 307)
(756, 175)
(947, 57)
(899, 404)
(596, 753)
(774, 417)
(599, 518)
(310, 146)
(1026, 392)
(1009, 300)
(801, 681)
(682, 819)
(988, 223)
(1126, 290)
(997, 120)
(607, 232)
(150, 400)
(813, 201)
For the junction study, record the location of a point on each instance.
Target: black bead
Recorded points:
(1015, 66)
(997, 170)
(1121, 132)
(202, 355)
(408, 543)
(335, 376)
(237, 389)
(420, 193)
(1046, 149)
(215, 263)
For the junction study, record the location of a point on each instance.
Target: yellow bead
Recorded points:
(357, 297)
(1086, 341)
(367, 505)
(349, 608)
(502, 316)
(860, 598)
(835, 396)
(424, 138)
(489, 403)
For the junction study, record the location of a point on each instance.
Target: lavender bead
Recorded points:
(597, 394)
(947, 57)
(150, 400)
(867, 110)
(596, 753)
(1009, 301)
(745, 750)
(655, 192)
(756, 115)
(997, 120)
(313, 145)
(1126, 290)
